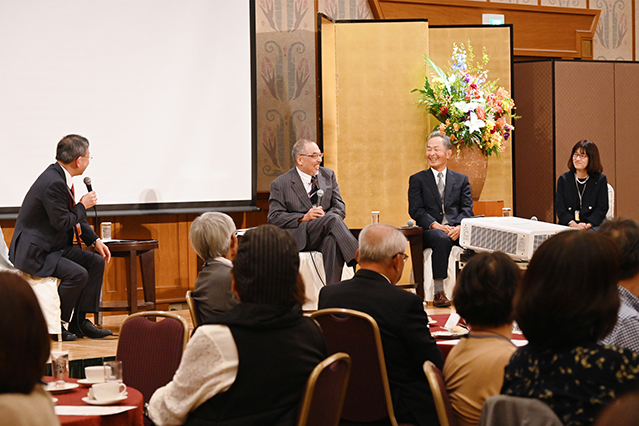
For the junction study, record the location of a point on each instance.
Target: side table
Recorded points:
(133, 249)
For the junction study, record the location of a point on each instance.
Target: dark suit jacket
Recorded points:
(45, 224)
(289, 202)
(212, 290)
(594, 201)
(406, 338)
(425, 204)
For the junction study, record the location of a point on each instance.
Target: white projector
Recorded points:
(517, 237)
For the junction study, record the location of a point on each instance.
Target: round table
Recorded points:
(74, 397)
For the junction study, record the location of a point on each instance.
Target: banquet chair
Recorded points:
(513, 410)
(611, 202)
(368, 397)
(151, 351)
(449, 283)
(440, 395)
(195, 315)
(325, 391)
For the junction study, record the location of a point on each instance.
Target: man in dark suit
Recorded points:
(42, 243)
(438, 200)
(316, 221)
(400, 316)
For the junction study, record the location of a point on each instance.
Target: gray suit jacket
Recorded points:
(213, 294)
(289, 202)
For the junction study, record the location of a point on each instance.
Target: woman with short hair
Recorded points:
(567, 302)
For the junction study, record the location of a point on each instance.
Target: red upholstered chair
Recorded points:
(440, 395)
(325, 391)
(151, 351)
(368, 397)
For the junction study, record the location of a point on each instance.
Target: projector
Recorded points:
(517, 237)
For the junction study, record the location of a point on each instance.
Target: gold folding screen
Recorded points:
(373, 132)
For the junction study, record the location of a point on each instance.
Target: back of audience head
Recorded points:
(568, 295)
(380, 243)
(625, 234)
(486, 288)
(266, 268)
(25, 340)
(211, 235)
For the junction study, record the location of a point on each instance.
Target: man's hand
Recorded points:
(313, 214)
(437, 225)
(89, 200)
(103, 250)
(454, 232)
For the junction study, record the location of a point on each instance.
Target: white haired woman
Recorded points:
(213, 238)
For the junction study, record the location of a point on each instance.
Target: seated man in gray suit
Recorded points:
(213, 238)
(400, 315)
(306, 201)
(438, 200)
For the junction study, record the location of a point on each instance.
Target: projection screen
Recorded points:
(163, 90)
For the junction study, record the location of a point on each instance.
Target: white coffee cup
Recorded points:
(107, 391)
(94, 374)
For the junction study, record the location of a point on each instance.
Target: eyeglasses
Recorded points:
(88, 158)
(403, 255)
(583, 156)
(313, 156)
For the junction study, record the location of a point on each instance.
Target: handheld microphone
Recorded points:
(320, 194)
(87, 182)
(411, 223)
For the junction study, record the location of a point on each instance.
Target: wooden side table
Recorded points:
(133, 249)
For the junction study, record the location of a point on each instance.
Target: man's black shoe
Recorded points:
(86, 328)
(66, 336)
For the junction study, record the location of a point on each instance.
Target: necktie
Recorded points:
(76, 228)
(314, 188)
(440, 185)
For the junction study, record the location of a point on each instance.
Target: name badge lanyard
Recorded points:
(581, 196)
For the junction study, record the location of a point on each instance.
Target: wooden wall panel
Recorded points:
(534, 151)
(627, 152)
(585, 109)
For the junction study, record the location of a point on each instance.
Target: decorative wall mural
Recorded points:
(613, 40)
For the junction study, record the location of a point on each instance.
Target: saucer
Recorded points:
(53, 388)
(87, 382)
(104, 402)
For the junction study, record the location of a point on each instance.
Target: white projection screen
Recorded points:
(163, 90)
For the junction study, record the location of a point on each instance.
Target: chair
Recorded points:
(325, 391)
(513, 410)
(314, 276)
(440, 395)
(195, 315)
(611, 202)
(45, 289)
(368, 397)
(449, 283)
(151, 351)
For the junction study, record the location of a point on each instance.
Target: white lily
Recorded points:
(466, 106)
(474, 124)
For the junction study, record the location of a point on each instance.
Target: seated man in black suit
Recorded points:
(316, 222)
(400, 316)
(438, 200)
(42, 243)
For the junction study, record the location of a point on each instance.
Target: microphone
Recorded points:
(320, 194)
(87, 182)
(411, 223)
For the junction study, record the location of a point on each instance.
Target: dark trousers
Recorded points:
(81, 273)
(330, 235)
(441, 244)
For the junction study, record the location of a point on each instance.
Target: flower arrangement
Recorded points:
(470, 109)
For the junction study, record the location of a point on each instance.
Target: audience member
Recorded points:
(474, 369)
(567, 302)
(213, 239)
(621, 412)
(400, 316)
(582, 192)
(438, 200)
(249, 367)
(625, 233)
(316, 222)
(23, 354)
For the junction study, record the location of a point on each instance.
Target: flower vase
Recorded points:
(473, 162)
